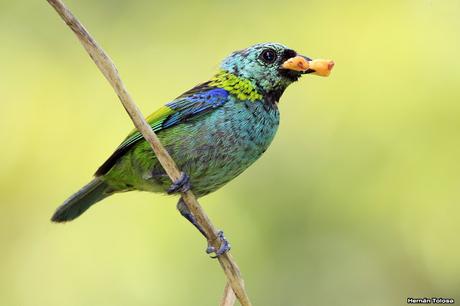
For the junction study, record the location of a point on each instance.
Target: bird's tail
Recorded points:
(80, 201)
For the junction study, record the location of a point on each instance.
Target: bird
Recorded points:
(213, 131)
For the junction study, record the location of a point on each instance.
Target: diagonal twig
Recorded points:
(108, 69)
(229, 298)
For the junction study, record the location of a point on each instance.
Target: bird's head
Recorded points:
(269, 67)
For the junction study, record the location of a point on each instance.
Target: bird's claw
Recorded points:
(180, 185)
(224, 246)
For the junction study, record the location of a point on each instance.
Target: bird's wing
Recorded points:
(197, 101)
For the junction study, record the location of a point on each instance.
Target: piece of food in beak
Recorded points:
(321, 67)
(296, 63)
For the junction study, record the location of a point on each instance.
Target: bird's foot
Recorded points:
(224, 246)
(180, 185)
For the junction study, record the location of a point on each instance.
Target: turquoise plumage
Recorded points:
(214, 131)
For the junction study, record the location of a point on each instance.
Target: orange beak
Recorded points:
(319, 67)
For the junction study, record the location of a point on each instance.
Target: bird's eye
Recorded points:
(268, 56)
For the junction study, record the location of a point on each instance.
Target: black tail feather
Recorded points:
(79, 202)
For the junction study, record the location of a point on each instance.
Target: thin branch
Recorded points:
(229, 298)
(108, 69)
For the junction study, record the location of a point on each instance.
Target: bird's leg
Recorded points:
(182, 208)
(180, 185)
(224, 245)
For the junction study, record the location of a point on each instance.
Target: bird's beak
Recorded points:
(305, 65)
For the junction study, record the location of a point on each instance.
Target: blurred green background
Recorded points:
(355, 203)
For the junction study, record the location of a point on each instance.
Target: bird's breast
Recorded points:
(228, 141)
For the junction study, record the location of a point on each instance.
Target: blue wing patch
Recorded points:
(195, 104)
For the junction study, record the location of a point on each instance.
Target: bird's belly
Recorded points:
(220, 163)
